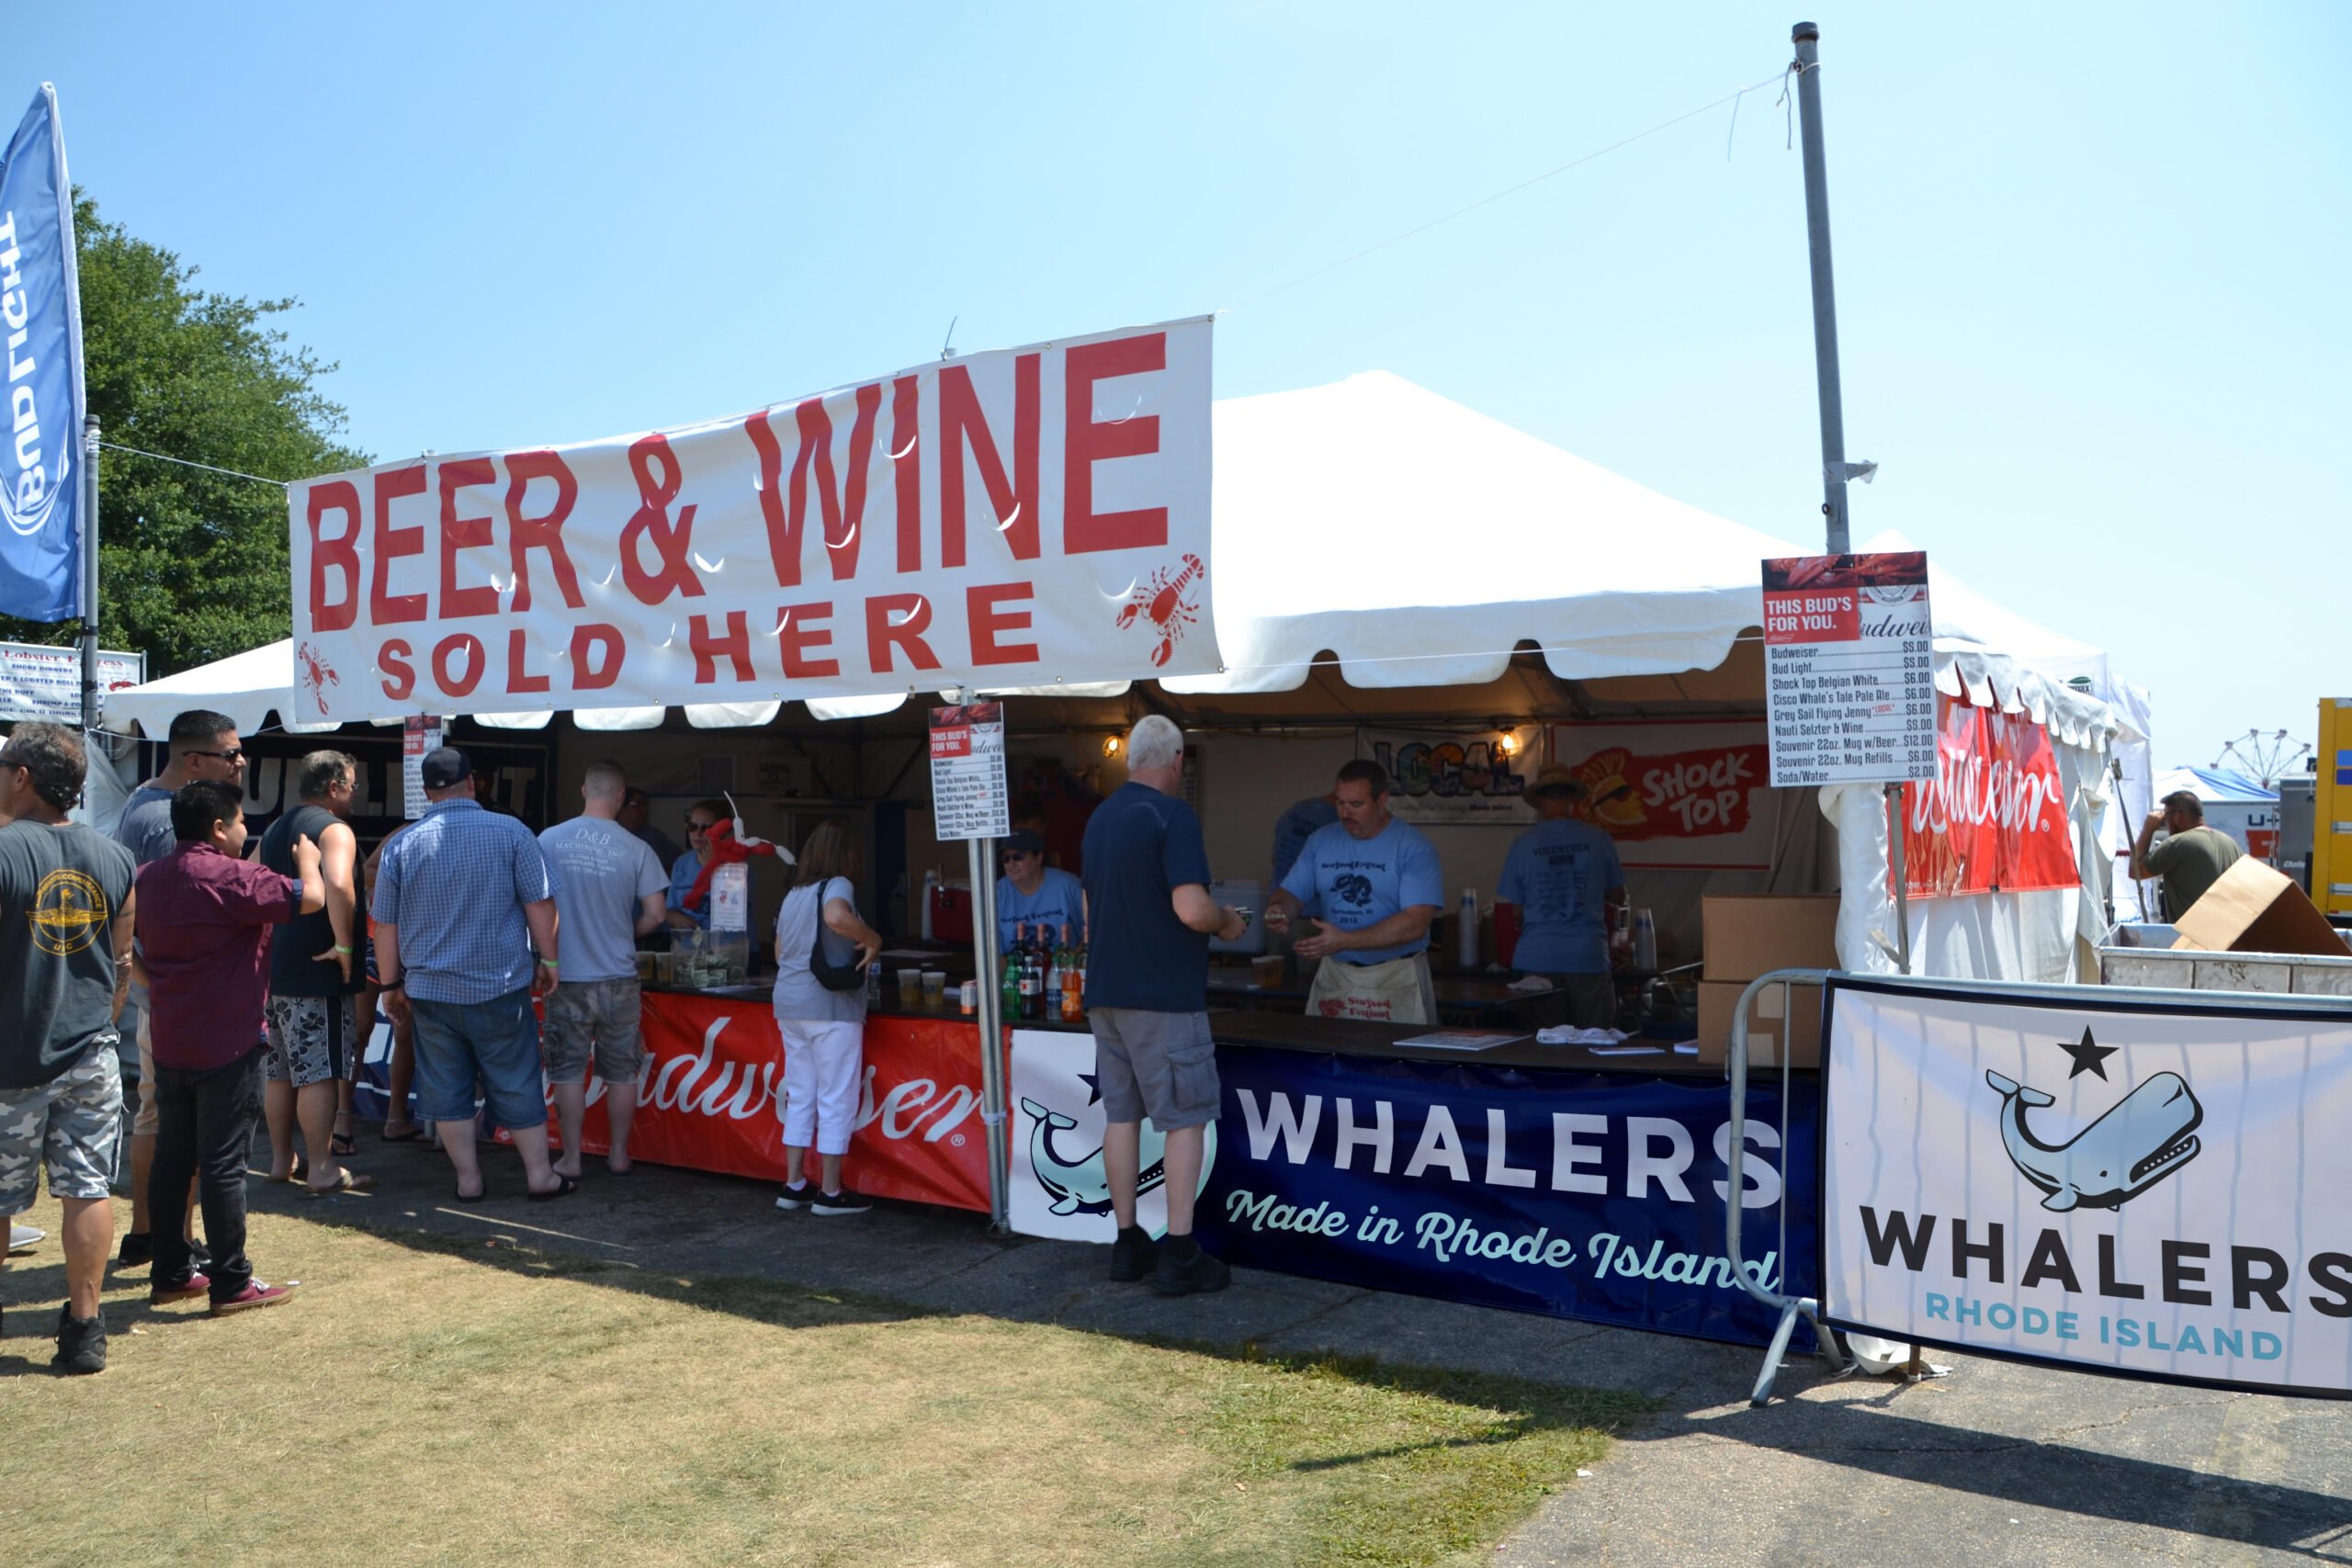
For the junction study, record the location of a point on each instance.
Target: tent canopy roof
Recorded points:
(1380, 551)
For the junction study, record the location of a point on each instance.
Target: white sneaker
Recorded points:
(23, 1238)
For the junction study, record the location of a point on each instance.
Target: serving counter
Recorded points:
(1543, 1179)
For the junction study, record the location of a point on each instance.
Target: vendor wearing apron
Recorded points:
(1373, 885)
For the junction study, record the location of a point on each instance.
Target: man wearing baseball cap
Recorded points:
(463, 899)
(1031, 893)
(1563, 875)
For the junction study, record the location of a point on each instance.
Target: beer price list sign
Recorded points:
(1850, 669)
(968, 795)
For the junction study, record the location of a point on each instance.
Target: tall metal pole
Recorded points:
(90, 574)
(1824, 291)
(992, 1094)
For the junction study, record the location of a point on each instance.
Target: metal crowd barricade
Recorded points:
(1790, 1307)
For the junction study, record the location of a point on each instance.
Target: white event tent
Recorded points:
(1374, 532)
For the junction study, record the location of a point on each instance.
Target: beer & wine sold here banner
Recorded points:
(1003, 519)
(1995, 818)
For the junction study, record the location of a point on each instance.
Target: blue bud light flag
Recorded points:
(40, 308)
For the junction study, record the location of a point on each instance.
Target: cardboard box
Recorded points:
(2254, 908)
(1768, 1032)
(1747, 934)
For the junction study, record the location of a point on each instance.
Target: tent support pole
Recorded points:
(1896, 813)
(89, 573)
(1808, 38)
(984, 956)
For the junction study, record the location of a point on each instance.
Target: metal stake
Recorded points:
(1808, 38)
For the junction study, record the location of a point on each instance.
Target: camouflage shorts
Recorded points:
(74, 1121)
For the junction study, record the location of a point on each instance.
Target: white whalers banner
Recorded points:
(1058, 1187)
(1006, 519)
(2135, 1188)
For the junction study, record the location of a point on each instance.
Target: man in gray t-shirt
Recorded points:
(2191, 860)
(203, 748)
(609, 890)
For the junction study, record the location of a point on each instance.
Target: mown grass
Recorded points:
(430, 1401)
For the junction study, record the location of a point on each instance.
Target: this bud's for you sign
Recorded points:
(1007, 519)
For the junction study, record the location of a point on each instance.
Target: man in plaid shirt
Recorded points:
(461, 900)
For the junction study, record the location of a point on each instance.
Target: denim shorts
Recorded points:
(494, 1043)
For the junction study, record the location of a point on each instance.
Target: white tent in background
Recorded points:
(1421, 543)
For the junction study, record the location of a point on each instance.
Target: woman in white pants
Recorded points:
(823, 1028)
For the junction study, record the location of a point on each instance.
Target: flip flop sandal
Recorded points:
(342, 1144)
(414, 1135)
(564, 1188)
(352, 1181)
(473, 1196)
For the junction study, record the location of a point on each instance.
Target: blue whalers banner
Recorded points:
(1597, 1196)
(41, 465)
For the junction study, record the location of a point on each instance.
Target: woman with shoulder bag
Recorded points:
(822, 951)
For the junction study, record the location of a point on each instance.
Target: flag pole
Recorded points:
(90, 574)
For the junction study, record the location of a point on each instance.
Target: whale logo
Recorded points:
(1078, 1186)
(2146, 1137)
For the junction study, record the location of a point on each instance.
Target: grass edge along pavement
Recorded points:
(478, 1400)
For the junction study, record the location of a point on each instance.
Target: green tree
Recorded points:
(192, 566)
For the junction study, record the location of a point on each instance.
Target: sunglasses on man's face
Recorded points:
(693, 827)
(234, 754)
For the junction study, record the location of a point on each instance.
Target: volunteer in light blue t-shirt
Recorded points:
(1564, 875)
(1373, 884)
(1032, 894)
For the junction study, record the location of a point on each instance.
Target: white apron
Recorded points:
(1395, 992)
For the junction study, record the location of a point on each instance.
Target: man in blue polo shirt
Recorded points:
(1146, 997)
(1373, 885)
(1031, 893)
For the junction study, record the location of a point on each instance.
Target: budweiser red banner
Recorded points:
(712, 1098)
(1691, 795)
(1995, 818)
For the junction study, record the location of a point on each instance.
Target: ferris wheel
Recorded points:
(2267, 757)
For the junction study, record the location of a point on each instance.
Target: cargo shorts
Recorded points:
(73, 1122)
(1161, 1065)
(604, 1019)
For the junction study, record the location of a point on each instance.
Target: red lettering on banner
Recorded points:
(1995, 819)
(525, 534)
(1822, 615)
(736, 644)
(340, 553)
(906, 468)
(1087, 441)
(882, 633)
(400, 676)
(1015, 502)
(842, 505)
(383, 605)
(597, 650)
(519, 679)
(988, 623)
(711, 1099)
(800, 631)
(463, 533)
(672, 543)
(477, 661)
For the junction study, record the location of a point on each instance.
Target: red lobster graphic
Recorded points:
(316, 674)
(1161, 600)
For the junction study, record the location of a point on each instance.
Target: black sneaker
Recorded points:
(81, 1343)
(1132, 1254)
(846, 1201)
(1196, 1274)
(138, 1250)
(790, 1198)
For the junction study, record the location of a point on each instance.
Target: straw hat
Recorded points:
(1554, 779)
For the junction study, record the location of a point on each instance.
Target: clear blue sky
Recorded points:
(2093, 268)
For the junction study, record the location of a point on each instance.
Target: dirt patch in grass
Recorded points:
(438, 1402)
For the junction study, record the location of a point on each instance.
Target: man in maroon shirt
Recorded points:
(205, 918)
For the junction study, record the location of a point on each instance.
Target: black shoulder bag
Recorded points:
(849, 977)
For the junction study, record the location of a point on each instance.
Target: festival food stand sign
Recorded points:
(1849, 691)
(1003, 519)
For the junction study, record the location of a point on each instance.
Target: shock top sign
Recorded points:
(1005, 519)
(2133, 1187)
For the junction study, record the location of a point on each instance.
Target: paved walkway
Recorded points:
(1997, 1465)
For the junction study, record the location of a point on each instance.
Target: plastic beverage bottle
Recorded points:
(1466, 938)
(1074, 985)
(1054, 979)
(874, 983)
(1033, 979)
(1009, 982)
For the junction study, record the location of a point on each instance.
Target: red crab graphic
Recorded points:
(1162, 601)
(315, 674)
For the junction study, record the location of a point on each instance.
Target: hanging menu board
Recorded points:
(420, 735)
(1850, 669)
(968, 795)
